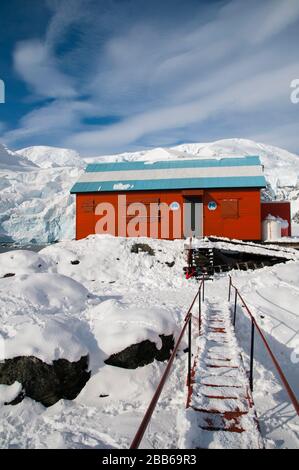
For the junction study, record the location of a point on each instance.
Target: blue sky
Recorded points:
(106, 76)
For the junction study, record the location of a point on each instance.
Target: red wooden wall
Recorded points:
(245, 225)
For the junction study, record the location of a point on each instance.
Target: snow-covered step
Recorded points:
(221, 391)
(219, 404)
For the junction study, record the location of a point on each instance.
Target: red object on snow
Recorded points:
(190, 273)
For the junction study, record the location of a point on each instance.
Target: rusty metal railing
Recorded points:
(254, 326)
(187, 323)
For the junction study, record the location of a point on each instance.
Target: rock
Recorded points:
(170, 264)
(142, 247)
(8, 275)
(141, 354)
(75, 262)
(43, 382)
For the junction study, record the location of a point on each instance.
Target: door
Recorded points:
(193, 216)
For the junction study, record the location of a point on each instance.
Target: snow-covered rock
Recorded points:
(51, 157)
(117, 326)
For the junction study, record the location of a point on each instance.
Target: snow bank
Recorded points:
(104, 259)
(21, 262)
(50, 291)
(35, 317)
(49, 341)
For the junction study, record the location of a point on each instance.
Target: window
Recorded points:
(230, 208)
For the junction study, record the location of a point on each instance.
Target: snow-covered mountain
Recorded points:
(12, 160)
(35, 204)
(52, 157)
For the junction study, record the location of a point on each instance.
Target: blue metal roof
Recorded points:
(227, 172)
(180, 183)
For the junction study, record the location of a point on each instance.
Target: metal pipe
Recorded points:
(229, 287)
(199, 310)
(251, 356)
(189, 350)
(235, 307)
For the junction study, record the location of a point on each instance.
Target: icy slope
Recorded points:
(35, 204)
(52, 157)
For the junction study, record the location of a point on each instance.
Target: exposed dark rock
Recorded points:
(20, 397)
(75, 262)
(9, 275)
(43, 382)
(142, 247)
(141, 354)
(170, 264)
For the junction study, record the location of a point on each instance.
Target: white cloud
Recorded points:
(34, 63)
(164, 77)
(279, 15)
(56, 118)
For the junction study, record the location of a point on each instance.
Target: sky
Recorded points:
(108, 76)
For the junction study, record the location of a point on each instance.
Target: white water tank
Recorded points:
(271, 228)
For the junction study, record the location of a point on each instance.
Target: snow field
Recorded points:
(68, 309)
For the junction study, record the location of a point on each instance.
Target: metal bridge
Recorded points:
(219, 401)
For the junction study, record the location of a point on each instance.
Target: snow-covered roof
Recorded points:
(224, 172)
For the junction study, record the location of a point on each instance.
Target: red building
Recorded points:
(172, 199)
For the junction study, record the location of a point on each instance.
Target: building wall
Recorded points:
(86, 203)
(223, 221)
(245, 226)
